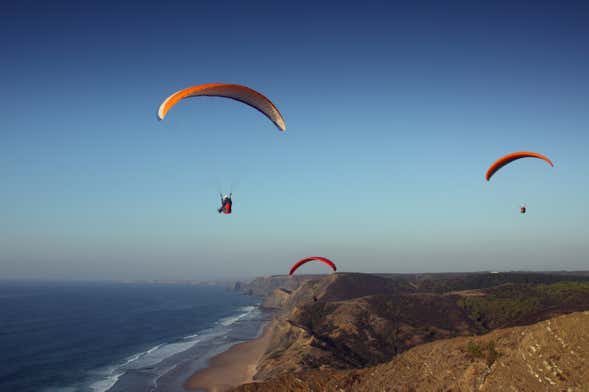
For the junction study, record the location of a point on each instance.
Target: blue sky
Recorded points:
(393, 112)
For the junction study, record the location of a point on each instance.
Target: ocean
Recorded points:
(98, 337)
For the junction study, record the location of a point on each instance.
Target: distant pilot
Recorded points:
(226, 204)
(522, 209)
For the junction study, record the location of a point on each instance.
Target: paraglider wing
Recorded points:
(513, 157)
(312, 258)
(233, 91)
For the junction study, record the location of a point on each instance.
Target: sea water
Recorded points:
(97, 337)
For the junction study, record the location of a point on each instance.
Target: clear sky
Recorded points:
(393, 113)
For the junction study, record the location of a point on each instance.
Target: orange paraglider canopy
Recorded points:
(233, 91)
(312, 258)
(513, 157)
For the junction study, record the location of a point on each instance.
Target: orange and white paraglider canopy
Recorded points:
(233, 91)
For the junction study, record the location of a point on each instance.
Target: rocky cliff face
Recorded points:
(277, 300)
(357, 321)
(347, 332)
(265, 286)
(551, 355)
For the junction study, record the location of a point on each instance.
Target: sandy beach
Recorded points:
(233, 367)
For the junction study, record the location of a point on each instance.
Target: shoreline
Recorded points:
(231, 368)
(172, 372)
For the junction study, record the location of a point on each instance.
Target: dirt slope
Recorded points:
(552, 355)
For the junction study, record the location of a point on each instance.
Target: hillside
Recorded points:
(350, 321)
(551, 355)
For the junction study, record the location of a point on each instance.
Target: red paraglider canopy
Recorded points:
(312, 258)
(498, 164)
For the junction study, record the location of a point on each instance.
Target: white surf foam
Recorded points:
(227, 321)
(156, 354)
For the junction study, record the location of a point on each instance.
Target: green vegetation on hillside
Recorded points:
(486, 351)
(513, 304)
(444, 283)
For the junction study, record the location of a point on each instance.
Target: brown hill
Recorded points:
(552, 355)
(351, 321)
(357, 284)
(344, 286)
(339, 322)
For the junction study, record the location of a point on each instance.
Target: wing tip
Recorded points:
(160, 113)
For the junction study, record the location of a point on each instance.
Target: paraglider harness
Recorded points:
(522, 209)
(226, 204)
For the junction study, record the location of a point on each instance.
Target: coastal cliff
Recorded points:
(350, 322)
(551, 355)
(264, 286)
